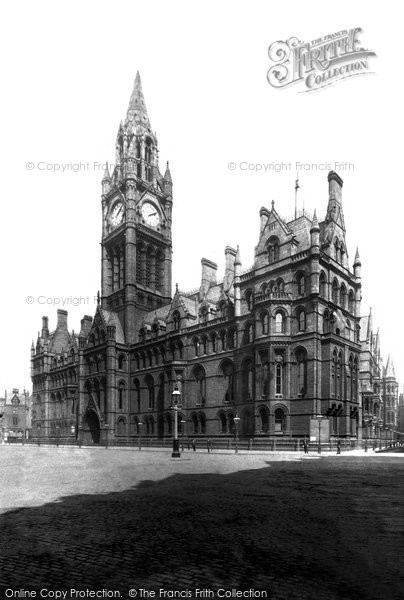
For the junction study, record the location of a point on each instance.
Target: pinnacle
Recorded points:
(137, 110)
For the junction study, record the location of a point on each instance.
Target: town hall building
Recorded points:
(277, 345)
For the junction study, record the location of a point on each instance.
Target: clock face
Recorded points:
(150, 214)
(117, 214)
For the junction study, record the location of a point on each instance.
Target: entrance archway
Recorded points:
(92, 427)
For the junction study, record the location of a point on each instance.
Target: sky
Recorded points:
(68, 77)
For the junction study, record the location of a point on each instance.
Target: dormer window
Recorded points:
(273, 250)
(176, 320)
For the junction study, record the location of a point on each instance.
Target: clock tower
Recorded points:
(136, 223)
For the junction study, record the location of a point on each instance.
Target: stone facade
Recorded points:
(276, 344)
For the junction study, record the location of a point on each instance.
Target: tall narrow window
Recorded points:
(335, 291)
(280, 420)
(279, 323)
(301, 320)
(323, 285)
(278, 378)
(121, 393)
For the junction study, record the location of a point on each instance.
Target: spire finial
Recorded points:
(137, 106)
(273, 204)
(296, 188)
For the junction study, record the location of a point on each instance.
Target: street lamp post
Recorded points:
(106, 435)
(139, 425)
(319, 419)
(176, 405)
(236, 421)
(182, 432)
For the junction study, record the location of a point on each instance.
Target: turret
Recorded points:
(237, 290)
(315, 232)
(357, 265)
(168, 182)
(106, 181)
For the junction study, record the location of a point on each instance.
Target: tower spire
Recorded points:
(297, 186)
(137, 110)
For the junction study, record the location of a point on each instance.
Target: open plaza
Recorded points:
(120, 522)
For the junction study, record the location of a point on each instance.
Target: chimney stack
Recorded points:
(45, 327)
(86, 323)
(209, 270)
(62, 319)
(230, 255)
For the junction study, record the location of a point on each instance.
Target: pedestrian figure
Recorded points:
(209, 445)
(193, 445)
(305, 446)
(339, 447)
(188, 444)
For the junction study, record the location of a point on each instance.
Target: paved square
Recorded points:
(118, 519)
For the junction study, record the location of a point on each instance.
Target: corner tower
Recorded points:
(136, 222)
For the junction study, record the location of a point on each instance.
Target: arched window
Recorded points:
(150, 389)
(246, 380)
(194, 421)
(136, 384)
(278, 376)
(264, 420)
(176, 320)
(334, 383)
(249, 299)
(301, 359)
(301, 319)
(121, 395)
(204, 315)
(248, 333)
(200, 379)
(264, 320)
(223, 339)
(351, 302)
(228, 376)
(159, 270)
(335, 291)
(301, 284)
(323, 285)
(202, 423)
(279, 323)
(121, 426)
(339, 376)
(121, 362)
(195, 343)
(273, 250)
(213, 341)
(342, 296)
(204, 344)
(223, 423)
(280, 420)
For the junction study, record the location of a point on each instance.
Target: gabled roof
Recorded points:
(111, 318)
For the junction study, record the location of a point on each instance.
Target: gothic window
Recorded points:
(121, 362)
(323, 285)
(278, 378)
(223, 339)
(246, 380)
(176, 320)
(213, 341)
(301, 284)
(248, 333)
(335, 291)
(264, 320)
(159, 270)
(228, 376)
(194, 421)
(280, 420)
(249, 299)
(342, 252)
(334, 383)
(149, 267)
(351, 301)
(273, 250)
(264, 420)
(342, 296)
(136, 384)
(200, 381)
(121, 395)
(301, 358)
(264, 288)
(195, 343)
(121, 426)
(204, 343)
(204, 315)
(202, 423)
(279, 286)
(279, 322)
(301, 319)
(223, 309)
(150, 389)
(339, 375)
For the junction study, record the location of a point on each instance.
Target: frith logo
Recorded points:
(319, 63)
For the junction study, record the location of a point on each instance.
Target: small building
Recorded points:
(15, 421)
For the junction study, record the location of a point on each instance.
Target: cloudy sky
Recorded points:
(68, 74)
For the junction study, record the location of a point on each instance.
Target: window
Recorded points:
(248, 333)
(342, 296)
(121, 362)
(121, 394)
(264, 420)
(204, 345)
(195, 343)
(301, 358)
(200, 381)
(213, 341)
(273, 250)
(279, 375)
(249, 299)
(301, 284)
(150, 389)
(351, 302)
(279, 323)
(228, 376)
(264, 318)
(176, 320)
(335, 291)
(280, 420)
(301, 319)
(323, 285)
(204, 315)
(247, 379)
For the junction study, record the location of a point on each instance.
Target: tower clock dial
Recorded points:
(117, 214)
(150, 214)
